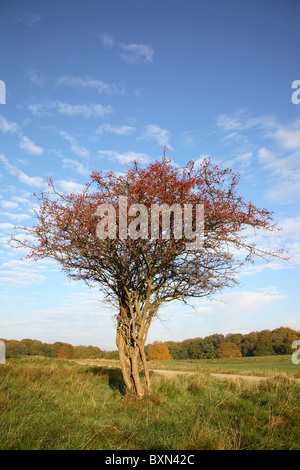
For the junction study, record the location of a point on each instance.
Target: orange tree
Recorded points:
(229, 349)
(158, 351)
(137, 274)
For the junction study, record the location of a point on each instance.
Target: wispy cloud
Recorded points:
(75, 147)
(33, 181)
(15, 217)
(6, 226)
(153, 132)
(122, 130)
(29, 20)
(25, 143)
(8, 204)
(36, 79)
(89, 83)
(87, 111)
(132, 53)
(233, 303)
(76, 166)
(273, 145)
(70, 186)
(93, 110)
(42, 109)
(30, 147)
(125, 157)
(229, 122)
(288, 136)
(107, 40)
(137, 53)
(21, 273)
(8, 126)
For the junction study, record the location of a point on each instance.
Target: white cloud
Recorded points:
(92, 110)
(41, 109)
(21, 273)
(20, 279)
(284, 174)
(87, 82)
(122, 130)
(279, 155)
(8, 204)
(76, 166)
(87, 111)
(16, 217)
(29, 20)
(33, 181)
(288, 136)
(75, 319)
(22, 200)
(156, 133)
(132, 53)
(136, 53)
(30, 147)
(235, 305)
(78, 150)
(229, 122)
(125, 157)
(107, 40)
(36, 79)
(6, 226)
(70, 187)
(6, 126)
(291, 227)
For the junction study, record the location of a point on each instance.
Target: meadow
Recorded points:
(61, 404)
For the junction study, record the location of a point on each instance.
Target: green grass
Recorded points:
(258, 365)
(63, 405)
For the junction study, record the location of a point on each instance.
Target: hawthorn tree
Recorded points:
(139, 274)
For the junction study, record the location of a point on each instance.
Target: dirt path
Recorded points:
(250, 378)
(218, 376)
(170, 373)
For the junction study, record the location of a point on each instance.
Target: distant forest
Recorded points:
(233, 345)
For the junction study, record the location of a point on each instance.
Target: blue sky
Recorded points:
(92, 85)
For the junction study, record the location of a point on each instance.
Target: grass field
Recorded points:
(61, 404)
(259, 365)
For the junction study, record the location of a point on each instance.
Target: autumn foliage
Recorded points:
(158, 351)
(229, 350)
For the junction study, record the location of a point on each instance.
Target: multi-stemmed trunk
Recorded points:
(132, 329)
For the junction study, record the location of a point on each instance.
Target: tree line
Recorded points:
(232, 345)
(33, 347)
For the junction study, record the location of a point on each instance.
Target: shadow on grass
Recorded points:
(115, 377)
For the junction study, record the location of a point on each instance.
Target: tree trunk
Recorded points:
(132, 357)
(123, 362)
(135, 373)
(145, 366)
